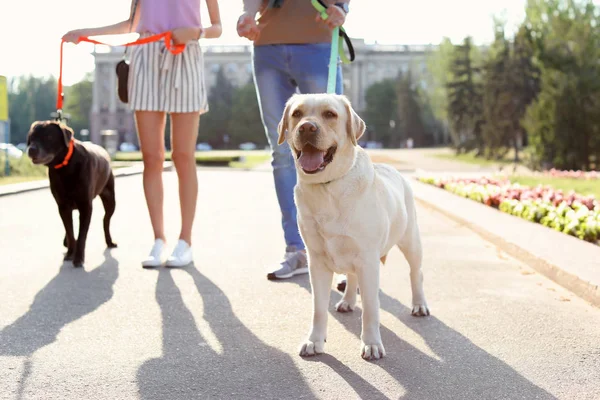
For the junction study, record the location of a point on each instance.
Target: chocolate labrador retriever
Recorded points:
(78, 172)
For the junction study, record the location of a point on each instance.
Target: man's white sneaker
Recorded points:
(156, 256)
(181, 256)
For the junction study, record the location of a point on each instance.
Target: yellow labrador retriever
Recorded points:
(351, 212)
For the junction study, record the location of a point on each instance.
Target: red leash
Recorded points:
(166, 36)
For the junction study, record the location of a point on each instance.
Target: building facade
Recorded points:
(373, 63)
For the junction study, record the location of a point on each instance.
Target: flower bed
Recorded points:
(570, 213)
(556, 173)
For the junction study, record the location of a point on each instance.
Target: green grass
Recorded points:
(581, 186)
(7, 180)
(470, 158)
(21, 170)
(250, 161)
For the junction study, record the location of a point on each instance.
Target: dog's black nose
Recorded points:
(32, 151)
(309, 127)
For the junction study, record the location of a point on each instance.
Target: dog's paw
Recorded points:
(309, 348)
(420, 310)
(372, 351)
(68, 257)
(77, 262)
(111, 245)
(344, 307)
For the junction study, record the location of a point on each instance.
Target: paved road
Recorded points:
(220, 330)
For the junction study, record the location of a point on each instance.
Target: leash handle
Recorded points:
(166, 36)
(338, 37)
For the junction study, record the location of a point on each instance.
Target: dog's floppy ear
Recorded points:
(355, 126)
(283, 124)
(67, 133)
(33, 126)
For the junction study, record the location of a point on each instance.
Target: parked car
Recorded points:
(203, 147)
(13, 151)
(127, 147)
(247, 146)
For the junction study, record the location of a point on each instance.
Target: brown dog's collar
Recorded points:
(68, 156)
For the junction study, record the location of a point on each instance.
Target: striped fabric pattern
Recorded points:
(161, 81)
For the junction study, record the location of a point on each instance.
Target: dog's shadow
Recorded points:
(71, 294)
(242, 366)
(463, 371)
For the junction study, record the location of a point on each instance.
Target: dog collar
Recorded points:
(68, 156)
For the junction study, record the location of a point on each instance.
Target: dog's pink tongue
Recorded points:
(311, 158)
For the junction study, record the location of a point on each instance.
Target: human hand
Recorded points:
(337, 16)
(185, 35)
(212, 32)
(73, 36)
(247, 27)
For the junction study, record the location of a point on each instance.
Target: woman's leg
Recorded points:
(184, 133)
(151, 128)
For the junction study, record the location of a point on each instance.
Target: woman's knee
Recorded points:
(183, 158)
(153, 161)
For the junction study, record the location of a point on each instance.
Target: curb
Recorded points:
(541, 248)
(17, 188)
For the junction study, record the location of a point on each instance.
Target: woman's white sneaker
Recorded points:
(156, 256)
(181, 256)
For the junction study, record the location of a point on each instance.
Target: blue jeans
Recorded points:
(279, 71)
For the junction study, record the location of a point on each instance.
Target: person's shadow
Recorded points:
(70, 295)
(247, 368)
(464, 371)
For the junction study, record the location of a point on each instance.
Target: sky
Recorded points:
(31, 30)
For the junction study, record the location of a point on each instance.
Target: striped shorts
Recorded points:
(161, 81)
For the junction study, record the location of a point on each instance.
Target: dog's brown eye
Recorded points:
(329, 114)
(297, 114)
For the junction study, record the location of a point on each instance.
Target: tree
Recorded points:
(78, 103)
(498, 100)
(525, 80)
(410, 114)
(563, 123)
(30, 99)
(247, 125)
(381, 99)
(464, 100)
(214, 125)
(437, 78)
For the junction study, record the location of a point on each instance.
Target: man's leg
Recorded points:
(274, 87)
(310, 68)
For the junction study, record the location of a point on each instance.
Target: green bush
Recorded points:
(21, 167)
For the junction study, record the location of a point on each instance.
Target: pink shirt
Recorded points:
(159, 16)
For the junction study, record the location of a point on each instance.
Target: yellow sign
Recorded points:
(3, 99)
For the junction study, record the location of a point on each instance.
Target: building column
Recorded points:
(112, 106)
